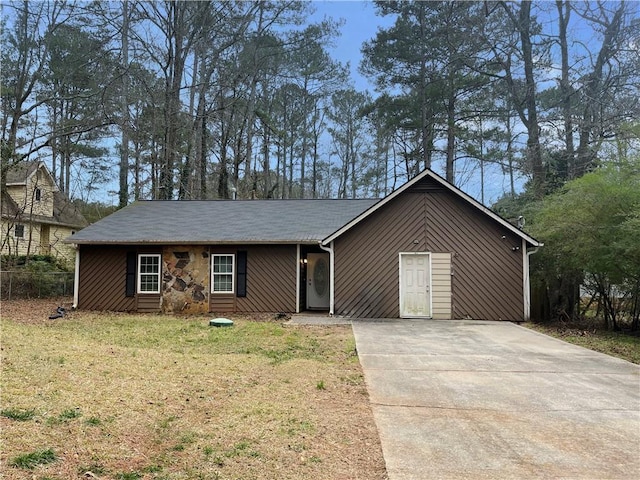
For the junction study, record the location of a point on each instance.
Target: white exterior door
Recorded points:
(318, 281)
(415, 285)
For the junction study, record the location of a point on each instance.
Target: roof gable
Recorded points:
(64, 212)
(22, 172)
(440, 182)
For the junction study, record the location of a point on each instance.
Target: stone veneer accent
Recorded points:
(186, 279)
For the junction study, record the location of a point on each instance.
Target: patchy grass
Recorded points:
(615, 344)
(18, 414)
(31, 460)
(164, 397)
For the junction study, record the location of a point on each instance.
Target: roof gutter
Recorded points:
(73, 240)
(331, 274)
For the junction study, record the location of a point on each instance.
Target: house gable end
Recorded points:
(32, 188)
(426, 182)
(24, 173)
(483, 257)
(36, 215)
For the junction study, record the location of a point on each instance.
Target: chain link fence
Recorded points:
(25, 284)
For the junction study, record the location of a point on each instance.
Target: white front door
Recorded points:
(415, 285)
(318, 281)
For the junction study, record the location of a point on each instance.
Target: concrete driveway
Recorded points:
(476, 400)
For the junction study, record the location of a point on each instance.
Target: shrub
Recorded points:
(39, 278)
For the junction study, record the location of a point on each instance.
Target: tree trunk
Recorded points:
(353, 158)
(186, 182)
(266, 170)
(509, 151)
(178, 49)
(137, 174)
(534, 152)
(202, 156)
(451, 136)
(123, 194)
(425, 110)
(564, 13)
(586, 156)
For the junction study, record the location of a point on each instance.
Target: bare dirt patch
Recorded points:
(33, 311)
(160, 397)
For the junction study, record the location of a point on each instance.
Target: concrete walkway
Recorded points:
(492, 400)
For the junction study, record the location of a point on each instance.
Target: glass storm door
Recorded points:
(318, 279)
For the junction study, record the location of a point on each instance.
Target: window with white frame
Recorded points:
(18, 231)
(222, 273)
(148, 273)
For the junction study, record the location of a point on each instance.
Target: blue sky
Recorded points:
(360, 24)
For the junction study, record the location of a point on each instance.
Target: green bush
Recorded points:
(590, 231)
(36, 276)
(13, 261)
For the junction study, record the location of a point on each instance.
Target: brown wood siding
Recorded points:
(103, 279)
(271, 279)
(366, 258)
(148, 302)
(487, 274)
(222, 302)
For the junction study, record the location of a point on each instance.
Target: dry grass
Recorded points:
(118, 396)
(616, 344)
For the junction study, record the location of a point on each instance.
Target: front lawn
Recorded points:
(115, 396)
(616, 344)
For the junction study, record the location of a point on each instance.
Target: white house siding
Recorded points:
(31, 244)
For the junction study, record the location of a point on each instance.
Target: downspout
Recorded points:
(331, 274)
(526, 280)
(76, 279)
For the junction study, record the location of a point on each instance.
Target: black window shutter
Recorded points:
(241, 274)
(131, 274)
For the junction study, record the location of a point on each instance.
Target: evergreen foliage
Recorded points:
(590, 230)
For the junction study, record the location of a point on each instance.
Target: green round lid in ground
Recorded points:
(220, 322)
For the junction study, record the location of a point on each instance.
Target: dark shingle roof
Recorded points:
(66, 212)
(223, 221)
(18, 173)
(8, 206)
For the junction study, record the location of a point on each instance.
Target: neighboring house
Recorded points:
(427, 250)
(36, 216)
